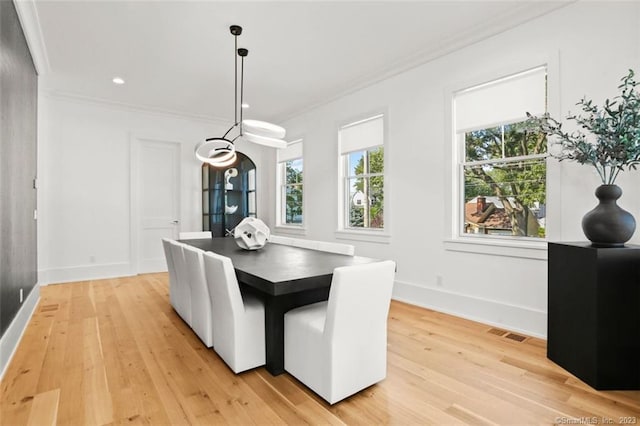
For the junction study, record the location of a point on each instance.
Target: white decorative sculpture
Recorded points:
(228, 174)
(251, 233)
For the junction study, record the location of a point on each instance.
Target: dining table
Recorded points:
(284, 277)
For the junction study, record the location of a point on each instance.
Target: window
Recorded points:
(290, 204)
(502, 161)
(362, 177)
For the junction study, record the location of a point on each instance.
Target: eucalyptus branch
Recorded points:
(613, 144)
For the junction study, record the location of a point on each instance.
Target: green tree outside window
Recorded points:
(366, 188)
(508, 163)
(293, 192)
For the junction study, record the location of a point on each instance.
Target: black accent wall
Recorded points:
(18, 139)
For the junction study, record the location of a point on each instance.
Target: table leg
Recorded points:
(274, 311)
(275, 308)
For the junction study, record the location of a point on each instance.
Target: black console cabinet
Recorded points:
(593, 326)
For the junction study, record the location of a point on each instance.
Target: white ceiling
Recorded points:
(177, 56)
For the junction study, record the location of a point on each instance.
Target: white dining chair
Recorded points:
(201, 320)
(338, 248)
(238, 320)
(183, 292)
(304, 243)
(325, 246)
(173, 284)
(197, 235)
(339, 347)
(278, 239)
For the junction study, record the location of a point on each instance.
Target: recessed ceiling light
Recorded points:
(245, 105)
(117, 80)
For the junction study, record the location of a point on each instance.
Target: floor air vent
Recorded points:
(506, 334)
(516, 337)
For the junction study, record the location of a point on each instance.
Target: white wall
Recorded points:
(84, 183)
(589, 46)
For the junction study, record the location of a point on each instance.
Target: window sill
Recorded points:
(363, 235)
(526, 249)
(291, 230)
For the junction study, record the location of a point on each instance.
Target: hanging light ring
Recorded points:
(215, 150)
(225, 163)
(263, 128)
(265, 140)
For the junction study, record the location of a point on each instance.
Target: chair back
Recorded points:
(304, 243)
(200, 300)
(198, 235)
(166, 245)
(338, 248)
(277, 239)
(359, 302)
(226, 300)
(327, 246)
(183, 291)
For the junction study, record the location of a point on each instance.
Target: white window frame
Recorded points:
(294, 151)
(380, 235)
(511, 246)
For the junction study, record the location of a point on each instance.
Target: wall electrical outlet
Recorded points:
(438, 280)
(21, 296)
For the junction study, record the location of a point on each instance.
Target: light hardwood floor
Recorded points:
(114, 351)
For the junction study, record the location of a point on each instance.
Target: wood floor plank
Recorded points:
(97, 397)
(44, 409)
(51, 375)
(115, 352)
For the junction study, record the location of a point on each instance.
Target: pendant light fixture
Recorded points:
(221, 152)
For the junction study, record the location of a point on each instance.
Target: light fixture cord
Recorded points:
(241, 90)
(235, 76)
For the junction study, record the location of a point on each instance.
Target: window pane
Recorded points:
(293, 171)
(506, 198)
(366, 202)
(356, 163)
(376, 197)
(376, 160)
(365, 162)
(509, 140)
(293, 204)
(357, 201)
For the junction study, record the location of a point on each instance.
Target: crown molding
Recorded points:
(499, 24)
(74, 97)
(30, 22)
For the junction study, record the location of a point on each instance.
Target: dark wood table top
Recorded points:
(278, 269)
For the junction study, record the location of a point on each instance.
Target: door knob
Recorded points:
(175, 222)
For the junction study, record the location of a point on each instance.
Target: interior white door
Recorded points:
(158, 195)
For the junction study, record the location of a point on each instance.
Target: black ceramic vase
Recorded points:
(608, 225)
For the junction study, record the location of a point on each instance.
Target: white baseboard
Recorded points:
(153, 265)
(520, 319)
(84, 273)
(12, 336)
